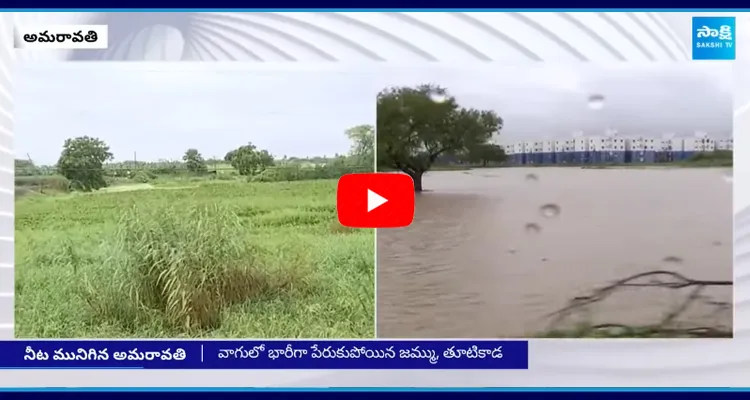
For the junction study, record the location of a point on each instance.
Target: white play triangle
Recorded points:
(374, 200)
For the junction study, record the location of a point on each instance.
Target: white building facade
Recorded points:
(612, 149)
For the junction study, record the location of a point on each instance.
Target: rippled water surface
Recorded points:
(492, 252)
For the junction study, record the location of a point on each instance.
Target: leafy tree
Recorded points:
(248, 160)
(194, 161)
(485, 153)
(363, 145)
(265, 160)
(82, 162)
(416, 125)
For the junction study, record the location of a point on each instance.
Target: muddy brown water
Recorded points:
(492, 252)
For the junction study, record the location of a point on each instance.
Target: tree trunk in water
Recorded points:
(417, 178)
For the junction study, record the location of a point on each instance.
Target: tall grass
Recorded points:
(189, 265)
(218, 259)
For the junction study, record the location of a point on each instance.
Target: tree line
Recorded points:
(417, 128)
(84, 160)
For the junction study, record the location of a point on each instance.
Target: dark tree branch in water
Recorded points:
(663, 328)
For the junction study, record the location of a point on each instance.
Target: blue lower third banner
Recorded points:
(264, 354)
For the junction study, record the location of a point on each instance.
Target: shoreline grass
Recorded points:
(220, 259)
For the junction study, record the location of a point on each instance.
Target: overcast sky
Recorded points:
(158, 110)
(548, 100)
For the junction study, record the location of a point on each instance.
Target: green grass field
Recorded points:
(217, 259)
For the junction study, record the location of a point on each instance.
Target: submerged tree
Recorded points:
(416, 125)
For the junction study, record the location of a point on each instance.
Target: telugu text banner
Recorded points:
(266, 354)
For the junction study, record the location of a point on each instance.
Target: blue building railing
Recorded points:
(599, 157)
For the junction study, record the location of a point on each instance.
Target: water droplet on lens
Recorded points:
(512, 251)
(531, 177)
(716, 243)
(596, 102)
(532, 228)
(550, 210)
(672, 259)
(544, 259)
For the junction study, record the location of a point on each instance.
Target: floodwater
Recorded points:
(493, 252)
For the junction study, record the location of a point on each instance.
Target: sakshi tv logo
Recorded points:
(714, 38)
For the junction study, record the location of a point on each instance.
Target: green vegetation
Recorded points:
(81, 162)
(363, 139)
(26, 168)
(49, 184)
(718, 158)
(194, 162)
(297, 172)
(248, 160)
(416, 126)
(714, 159)
(254, 166)
(171, 251)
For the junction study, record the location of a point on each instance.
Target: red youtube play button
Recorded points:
(375, 200)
